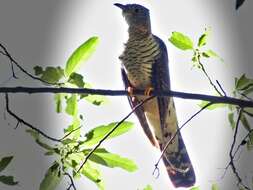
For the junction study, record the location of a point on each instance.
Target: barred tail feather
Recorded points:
(179, 166)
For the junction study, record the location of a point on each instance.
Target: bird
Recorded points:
(144, 66)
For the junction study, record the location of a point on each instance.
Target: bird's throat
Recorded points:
(139, 31)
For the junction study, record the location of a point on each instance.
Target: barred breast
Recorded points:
(138, 58)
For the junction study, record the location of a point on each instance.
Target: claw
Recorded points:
(148, 91)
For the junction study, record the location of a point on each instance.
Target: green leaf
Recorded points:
(73, 129)
(5, 162)
(103, 157)
(210, 53)
(93, 174)
(58, 102)
(148, 187)
(75, 159)
(52, 178)
(98, 133)
(77, 80)
(96, 100)
(243, 83)
(37, 139)
(38, 70)
(52, 74)
(211, 107)
(72, 107)
(231, 120)
(8, 180)
(245, 122)
(49, 153)
(181, 41)
(203, 38)
(80, 55)
(195, 188)
(215, 187)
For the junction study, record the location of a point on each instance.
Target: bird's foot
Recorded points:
(130, 91)
(148, 91)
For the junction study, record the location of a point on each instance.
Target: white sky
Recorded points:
(207, 137)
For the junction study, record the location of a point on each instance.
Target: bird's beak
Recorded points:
(120, 6)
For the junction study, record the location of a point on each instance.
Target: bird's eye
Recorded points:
(136, 10)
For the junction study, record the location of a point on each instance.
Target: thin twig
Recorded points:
(13, 61)
(245, 96)
(248, 113)
(70, 133)
(243, 142)
(21, 121)
(184, 95)
(231, 155)
(72, 184)
(223, 91)
(176, 133)
(6, 81)
(13, 71)
(208, 77)
(112, 130)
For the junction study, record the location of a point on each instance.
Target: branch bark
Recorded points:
(184, 95)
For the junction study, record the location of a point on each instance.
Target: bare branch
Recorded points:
(72, 184)
(208, 77)
(13, 61)
(184, 95)
(13, 71)
(231, 155)
(223, 91)
(21, 121)
(112, 130)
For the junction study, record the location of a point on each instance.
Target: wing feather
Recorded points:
(139, 112)
(161, 81)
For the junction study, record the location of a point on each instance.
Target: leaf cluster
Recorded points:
(75, 147)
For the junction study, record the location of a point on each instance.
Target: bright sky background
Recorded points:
(47, 32)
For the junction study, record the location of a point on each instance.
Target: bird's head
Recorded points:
(137, 17)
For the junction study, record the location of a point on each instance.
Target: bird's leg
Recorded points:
(130, 91)
(148, 91)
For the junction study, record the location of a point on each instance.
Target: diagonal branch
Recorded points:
(177, 132)
(112, 130)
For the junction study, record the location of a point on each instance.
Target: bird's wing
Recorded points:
(161, 81)
(139, 112)
(176, 158)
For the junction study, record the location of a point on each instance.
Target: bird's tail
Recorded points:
(178, 165)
